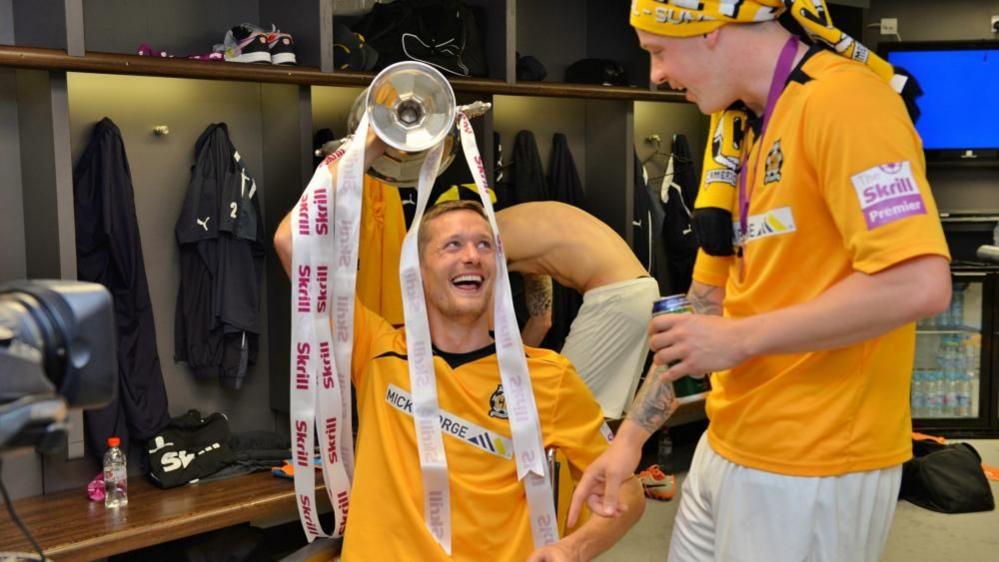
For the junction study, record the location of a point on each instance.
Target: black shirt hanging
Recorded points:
(220, 234)
(109, 252)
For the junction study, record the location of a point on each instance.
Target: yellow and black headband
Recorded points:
(723, 159)
(687, 18)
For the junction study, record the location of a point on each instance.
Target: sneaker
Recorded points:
(657, 484)
(246, 43)
(282, 47)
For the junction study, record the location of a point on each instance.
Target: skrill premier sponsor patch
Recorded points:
(888, 193)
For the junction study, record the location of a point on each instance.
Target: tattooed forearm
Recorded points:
(706, 299)
(538, 292)
(654, 403)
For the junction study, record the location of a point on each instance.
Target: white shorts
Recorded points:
(608, 341)
(732, 513)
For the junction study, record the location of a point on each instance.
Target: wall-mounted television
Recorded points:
(960, 104)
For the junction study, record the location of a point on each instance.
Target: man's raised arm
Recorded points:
(282, 236)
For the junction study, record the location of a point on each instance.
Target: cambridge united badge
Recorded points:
(775, 158)
(497, 404)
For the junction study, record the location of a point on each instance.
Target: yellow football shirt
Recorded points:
(383, 227)
(488, 505)
(841, 187)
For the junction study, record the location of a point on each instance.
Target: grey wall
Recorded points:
(40, 23)
(6, 22)
(46, 174)
(286, 175)
(560, 32)
(955, 187)
(119, 26)
(55, 114)
(330, 107)
(22, 473)
(12, 260)
(160, 171)
(929, 20)
(553, 31)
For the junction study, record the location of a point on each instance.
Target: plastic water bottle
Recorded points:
(957, 305)
(665, 449)
(115, 475)
(950, 393)
(966, 383)
(963, 396)
(934, 394)
(918, 393)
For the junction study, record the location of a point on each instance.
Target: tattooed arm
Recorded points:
(706, 299)
(653, 405)
(538, 293)
(600, 484)
(655, 401)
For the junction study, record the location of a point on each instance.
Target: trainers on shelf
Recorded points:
(282, 46)
(145, 50)
(657, 484)
(213, 56)
(246, 43)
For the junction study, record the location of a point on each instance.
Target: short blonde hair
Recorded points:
(423, 236)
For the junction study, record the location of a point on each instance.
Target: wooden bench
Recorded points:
(69, 526)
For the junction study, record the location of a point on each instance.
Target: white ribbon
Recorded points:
(521, 408)
(422, 379)
(317, 384)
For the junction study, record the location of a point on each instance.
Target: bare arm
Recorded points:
(706, 299)
(856, 309)
(598, 533)
(538, 293)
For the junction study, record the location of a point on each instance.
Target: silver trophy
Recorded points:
(411, 108)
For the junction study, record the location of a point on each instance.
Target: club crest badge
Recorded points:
(775, 158)
(497, 404)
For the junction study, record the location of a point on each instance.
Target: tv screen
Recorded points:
(960, 81)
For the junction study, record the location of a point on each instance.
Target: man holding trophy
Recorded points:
(454, 412)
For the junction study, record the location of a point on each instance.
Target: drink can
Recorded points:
(690, 388)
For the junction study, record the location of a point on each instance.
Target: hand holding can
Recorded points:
(691, 388)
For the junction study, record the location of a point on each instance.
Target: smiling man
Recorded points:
(808, 323)
(488, 507)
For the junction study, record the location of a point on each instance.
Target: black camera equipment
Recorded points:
(57, 351)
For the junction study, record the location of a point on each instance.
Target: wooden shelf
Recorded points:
(105, 63)
(70, 527)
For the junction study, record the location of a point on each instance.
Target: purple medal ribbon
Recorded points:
(781, 75)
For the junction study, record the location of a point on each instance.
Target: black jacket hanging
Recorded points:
(681, 243)
(565, 184)
(567, 188)
(109, 252)
(220, 234)
(528, 175)
(647, 227)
